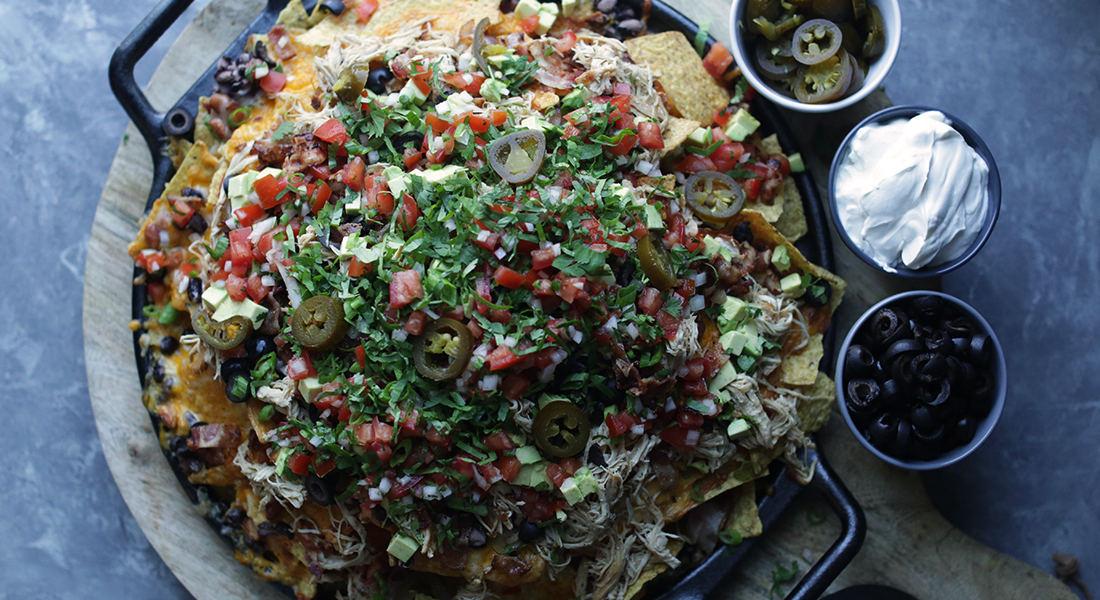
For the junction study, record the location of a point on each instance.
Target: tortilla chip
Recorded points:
(178, 149)
(814, 411)
(677, 131)
(802, 368)
(544, 100)
(767, 234)
(638, 587)
(744, 515)
(203, 133)
(770, 212)
(294, 15)
(196, 170)
(771, 145)
(665, 185)
(692, 93)
(697, 488)
(792, 223)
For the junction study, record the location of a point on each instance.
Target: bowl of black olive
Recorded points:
(921, 380)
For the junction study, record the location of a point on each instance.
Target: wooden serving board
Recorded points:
(909, 545)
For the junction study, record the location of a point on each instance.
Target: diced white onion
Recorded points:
(467, 77)
(489, 383)
(632, 331)
(744, 158)
(508, 241)
(259, 229)
(483, 235)
(315, 441)
(536, 304)
(637, 429)
(578, 337)
(700, 279)
(670, 404)
(374, 494)
(267, 281)
(373, 156)
(510, 342)
(554, 193)
(697, 303)
(500, 253)
(450, 224)
(612, 323)
(385, 485)
(431, 314)
(692, 437)
(400, 335)
(164, 239)
(558, 356)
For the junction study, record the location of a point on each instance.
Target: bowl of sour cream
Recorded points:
(914, 191)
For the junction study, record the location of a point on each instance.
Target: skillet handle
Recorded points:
(121, 70)
(844, 549)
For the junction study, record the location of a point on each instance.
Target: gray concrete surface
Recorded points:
(1026, 75)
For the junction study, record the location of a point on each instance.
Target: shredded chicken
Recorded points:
(266, 482)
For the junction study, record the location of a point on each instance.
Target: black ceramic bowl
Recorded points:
(994, 184)
(994, 402)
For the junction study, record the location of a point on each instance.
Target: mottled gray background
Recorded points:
(1026, 75)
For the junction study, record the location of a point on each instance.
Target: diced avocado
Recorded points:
(712, 246)
(627, 195)
(781, 258)
(281, 468)
(698, 137)
(724, 377)
(575, 99)
(797, 166)
(213, 297)
(348, 246)
(528, 455)
(548, 398)
(586, 481)
(526, 8)
(402, 547)
(353, 203)
(413, 93)
(443, 174)
(738, 428)
(754, 345)
(549, 7)
(494, 90)
(498, 60)
(734, 341)
(397, 180)
(792, 285)
(568, 7)
(571, 492)
(734, 310)
(309, 387)
(533, 475)
(653, 220)
(741, 125)
(245, 308)
(546, 21)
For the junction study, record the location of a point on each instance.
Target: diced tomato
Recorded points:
(181, 212)
(542, 258)
(572, 288)
(436, 123)
(694, 388)
(530, 24)
(500, 117)
(333, 132)
(300, 367)
(408, 213)
(649, 135)
(568, 40)
(618, 424)
(696, 368)
(726, 156)
(514, 386)
(784, 164)
(693, 163)
(491, 241)
(501, 316)
(625, 145)
(483, 289)
(498, 442)
(273, 82)
(436, 437)
(621, 102)
(464, 464)
(684, 439)
(570, 465)
(321, 198)
(247, 215)
(650, 302)
(373, 432)
(324, 467)
(502, 358)
(509, 467)
(722, 116)
(379, 199)
(556, 474)
(477, 124)
(240, 247)
(750, 93)
(299, 463)
(354, 173)
(422, 79)
(751, 187)
(361, 356)
(268, 189)
(237, 287)
(538, 508)
(717, 60)
(405, 287)
(416, 322)
(365, 9)
(356, 268)
(256, 289)
(412, 157)
(508, 278)
(675, 233)
(621, 89)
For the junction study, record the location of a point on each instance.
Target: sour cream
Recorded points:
(912, 192)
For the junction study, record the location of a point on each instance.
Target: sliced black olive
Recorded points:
(960, 347)
(932, 437)
(168, 345)
(859, 360)
(961, 374)
(927, 307)
(930, 366)
(318, 490)
(259, 346)
(378, 78)
(595, 456)
(922, 419)
(981, 346)
(981, 397)
(409, 139)
(194, 289)
(236, 373)
(893, 397)
(862, 396)
(904, 441)
(529, 532)
(819, 294)
(958, 327)
(198, 224)
(625, 275)
(178, 121)
(883, 432)
(902, 369)
(939, 341)
(334, 7)
(743, 233)
(934, 393)
(921, 332)
(888, 325)
(965, 429)
(900, 348)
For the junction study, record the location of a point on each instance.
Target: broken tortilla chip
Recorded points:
(677, 131)
(744, 515)
(792, 222)
(802, 368)
(692, 93)
(814, 410)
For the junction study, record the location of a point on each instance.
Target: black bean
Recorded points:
(168, 345)
(743, 233)
(158, 372)
(177, 445)
(234, 518)
(595, 456)
(194, 289)
(197, 223)
(190, 192)
(529, 532)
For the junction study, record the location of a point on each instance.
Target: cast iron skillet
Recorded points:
(703, 578)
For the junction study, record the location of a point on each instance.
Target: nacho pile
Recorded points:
(429, 315)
